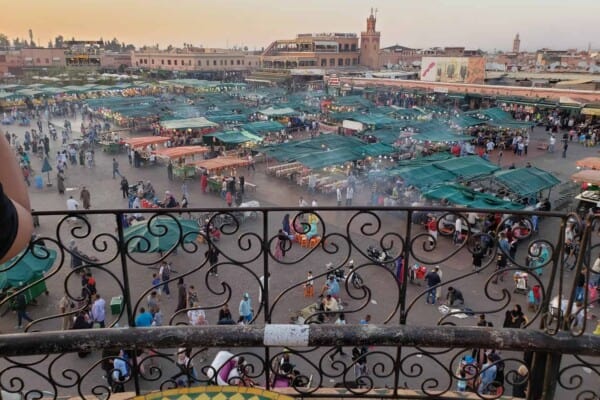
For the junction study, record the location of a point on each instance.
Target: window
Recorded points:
(354, 61)
(231, 62)
(47, 61)
(238, 62)
(353, 47)
(175, 62)
(37, 60)
(162, 62)
(375, 46)
(323, 62)
(249, 63)
(340, 62)
(347, 61)
(152, 61)
(332, 62)
(243, 62)
(169, 62)
(346, 47)
(199, 62)
(189, 62)
(220, 62)
(214, 62)
(207, 63)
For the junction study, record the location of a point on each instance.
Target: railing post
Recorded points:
(265, 293)
(127, 293)
(405, 274)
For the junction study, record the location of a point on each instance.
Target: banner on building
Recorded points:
(453, 69)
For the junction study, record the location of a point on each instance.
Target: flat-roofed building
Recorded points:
(194, 59)
(321, 50)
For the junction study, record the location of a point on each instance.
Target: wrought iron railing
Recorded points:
(407, 349)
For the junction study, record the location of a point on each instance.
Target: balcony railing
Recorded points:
(407, 349)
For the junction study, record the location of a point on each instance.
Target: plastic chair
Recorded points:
(304, 241)
(314, 241)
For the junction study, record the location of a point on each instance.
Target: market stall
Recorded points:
(182, 157)
(144, 148)
(589, 163)
(221, 164)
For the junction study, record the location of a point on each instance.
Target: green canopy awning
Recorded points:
(424, 176)
(235, 137)
(466, 197)
(279, 112)
(262, 127)
(526, 181)
(467, 167)
(188, 123)
(374, 150)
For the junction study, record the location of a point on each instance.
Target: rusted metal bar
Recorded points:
(316, 335)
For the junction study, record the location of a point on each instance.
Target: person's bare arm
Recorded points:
(15, 190)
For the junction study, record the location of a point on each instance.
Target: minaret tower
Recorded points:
(516, 44)
(369, 43)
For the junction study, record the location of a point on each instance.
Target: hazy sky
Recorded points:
(486, 24)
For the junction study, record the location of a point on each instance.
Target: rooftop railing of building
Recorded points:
(370, 260)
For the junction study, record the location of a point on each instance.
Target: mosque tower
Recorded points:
(516, 44)
(369, 43)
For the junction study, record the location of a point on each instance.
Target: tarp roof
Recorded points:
(326, 158)
(526, 181)
(261, 127)
(235, 137)
(145, 141)
(587, 176)
(467, 167)
(182, 151)
(292, 150)
(498, 117)
(228, 118)
(188, 123)
(373, 150)
(376, 120)
(589, 162)
(428, 172)
(424, 176)
(279, 112)
(353, 101)
(466, 197)
(221, 163)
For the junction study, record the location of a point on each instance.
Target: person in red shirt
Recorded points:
(432, 229)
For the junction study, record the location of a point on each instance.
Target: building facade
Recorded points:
(323, 50)
(194, 59)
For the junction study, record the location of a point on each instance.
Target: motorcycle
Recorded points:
(381, 257)
(340, 275)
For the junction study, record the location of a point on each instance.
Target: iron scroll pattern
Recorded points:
(511, 249)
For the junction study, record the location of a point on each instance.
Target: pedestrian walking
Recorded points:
(165, 274)
(21, 309)
(245, 309)
(60, 182)
(432, 279)
(170, 170)
(85, 198)
(64, 305)
(124, 187)
(338, 196)
(181, 295)
(115, 168)
(338, 349)
(565, 147)
(212, 255)
(349, 195)
(99, 311)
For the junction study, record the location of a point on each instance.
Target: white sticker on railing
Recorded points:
(286, 335)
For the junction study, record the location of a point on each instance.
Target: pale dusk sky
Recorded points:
(485, 24)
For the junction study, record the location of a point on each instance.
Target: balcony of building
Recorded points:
(371, 260)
